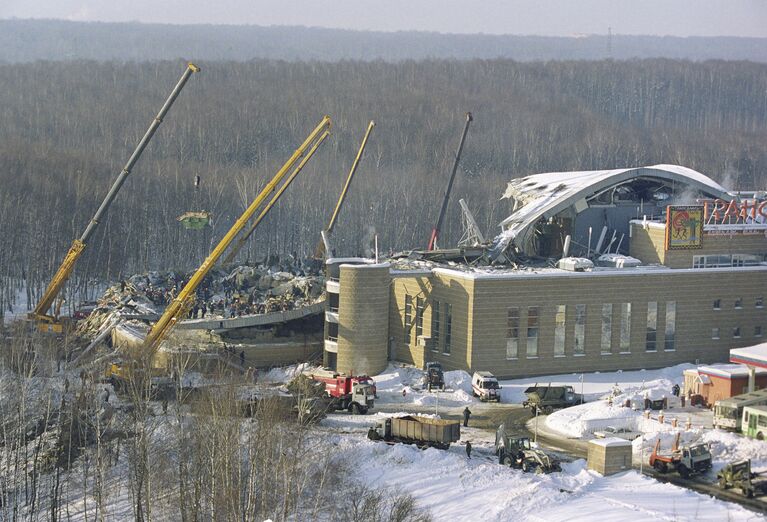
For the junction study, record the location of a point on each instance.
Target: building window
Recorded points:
(579, 347)
(715, 333)
(670, 326)
(607, 328)
(717, 304)
(736, 332)
(652, 327)
(739, 303)
(559, 331)
(532, 331)
(418, 317)
(448, 327)
(512, 333)
(435, 324)
(719, 261)
(408, 317)
(757, 331)
(760, 302)
(625, 327)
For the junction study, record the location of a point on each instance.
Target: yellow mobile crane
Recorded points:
(178, 308)
(48, 320)
(241, 242)
(323, 247)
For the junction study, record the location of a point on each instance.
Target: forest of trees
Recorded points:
(29, 40)
(67, 128)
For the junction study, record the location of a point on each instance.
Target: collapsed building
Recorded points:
(254, 315)
(592, 271)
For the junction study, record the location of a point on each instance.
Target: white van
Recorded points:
(485, 386)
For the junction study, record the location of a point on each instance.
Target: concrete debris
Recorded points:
(244, 290)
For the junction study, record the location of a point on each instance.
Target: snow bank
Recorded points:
(584, 419)
(285, 374)
(599, 384)
(397, 379)
(453, 487)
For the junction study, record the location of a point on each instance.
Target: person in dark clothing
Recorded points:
(675, 390)
(242, 358)
(468, 449)
(466, 415)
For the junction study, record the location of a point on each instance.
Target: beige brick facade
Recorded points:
(648, 244)
(697, 314)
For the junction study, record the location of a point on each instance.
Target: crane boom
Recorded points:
(435, 231)
(175, 310)
(241, 242)
(40, 312)
(345, 190)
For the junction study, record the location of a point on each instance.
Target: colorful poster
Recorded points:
(684, 227)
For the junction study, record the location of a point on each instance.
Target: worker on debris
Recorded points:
(466, 415)
(468, 448)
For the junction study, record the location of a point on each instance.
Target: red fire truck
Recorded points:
(355, 393)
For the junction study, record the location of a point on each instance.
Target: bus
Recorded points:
(729, 412)
(754, 422)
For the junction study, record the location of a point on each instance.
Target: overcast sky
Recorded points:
(551, 18)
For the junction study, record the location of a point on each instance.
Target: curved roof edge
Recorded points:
(546, 195)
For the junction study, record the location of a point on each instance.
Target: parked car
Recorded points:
(615, 431)
(485, 386)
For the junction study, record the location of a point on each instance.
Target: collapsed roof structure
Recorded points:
(548, 207)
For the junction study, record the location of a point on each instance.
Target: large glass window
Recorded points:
(625, 327)
(448, 327)
(607, 328)
(670, 326)
(408, 317)
(559, 330)
(719, 261)
(652, 327)
(532, 331)
(512, 333)
(435, 324)
(579, 347)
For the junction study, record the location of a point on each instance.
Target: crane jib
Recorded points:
(70, 260)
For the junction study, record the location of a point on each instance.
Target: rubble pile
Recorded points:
(243, 290)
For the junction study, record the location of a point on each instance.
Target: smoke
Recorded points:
(731, 179)
(368, 241)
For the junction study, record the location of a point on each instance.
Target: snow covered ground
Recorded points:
(453, 487)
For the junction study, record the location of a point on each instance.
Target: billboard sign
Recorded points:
(684, 227)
